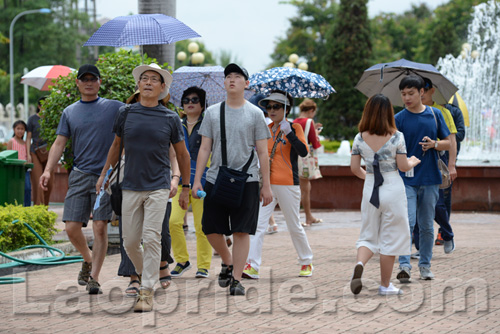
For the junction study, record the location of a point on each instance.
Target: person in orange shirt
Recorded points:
(284, 148)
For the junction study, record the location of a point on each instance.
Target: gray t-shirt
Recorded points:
(89, 125)
(244, 126)
(34, 127)
(147, 136)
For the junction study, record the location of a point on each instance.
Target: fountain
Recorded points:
(476, 73)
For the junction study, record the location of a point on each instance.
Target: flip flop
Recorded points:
(132, 291)
(317, 221)
(304, 224)
(165, 281)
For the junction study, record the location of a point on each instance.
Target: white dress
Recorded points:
(384, 230)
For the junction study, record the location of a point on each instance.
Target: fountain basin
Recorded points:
(477, 188)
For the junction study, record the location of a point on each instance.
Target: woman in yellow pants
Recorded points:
(193, 102)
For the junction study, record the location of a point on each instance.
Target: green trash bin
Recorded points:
(12, 175)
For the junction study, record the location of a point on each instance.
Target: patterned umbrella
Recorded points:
(294, 81)
(209, 78)
(385, 79)
(141, 29)
(41, 77)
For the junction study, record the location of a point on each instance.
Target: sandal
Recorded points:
(165, 281)
(272, 229)
(132, 291)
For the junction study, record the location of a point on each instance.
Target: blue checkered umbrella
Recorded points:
(296, 82)
(141, 29)
(209, 78)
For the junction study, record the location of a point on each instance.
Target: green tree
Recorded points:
(41, 39)
(117, 84)
(343, 63)
(307, 33)
(448, 30)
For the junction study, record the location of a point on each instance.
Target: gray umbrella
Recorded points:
(385, 78)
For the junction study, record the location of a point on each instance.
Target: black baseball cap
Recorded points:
(233, 68)
(87, 68)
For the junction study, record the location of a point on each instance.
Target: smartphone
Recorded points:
(320, 128)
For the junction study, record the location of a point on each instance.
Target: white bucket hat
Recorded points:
(167, 77)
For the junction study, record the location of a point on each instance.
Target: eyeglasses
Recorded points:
(274, 106)
(145, 78)
(87, 79)
(193, 100)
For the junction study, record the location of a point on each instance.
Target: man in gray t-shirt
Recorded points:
(147, 129)
(89, 124)
(246, 129)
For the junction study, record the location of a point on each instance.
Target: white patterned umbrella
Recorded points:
(141, 29)
(298, 83)
(41, 77)
(208, 78)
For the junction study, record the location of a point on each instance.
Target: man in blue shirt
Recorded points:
(89, 124)
(421, 126)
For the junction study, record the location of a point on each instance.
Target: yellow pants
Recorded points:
(179, 248)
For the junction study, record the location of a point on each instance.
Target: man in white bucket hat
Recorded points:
(147, 129)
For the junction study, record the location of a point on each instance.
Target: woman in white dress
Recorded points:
(384, 214)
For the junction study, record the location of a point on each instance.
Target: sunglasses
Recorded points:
(193, 100)
(274, 106)
(87, 79)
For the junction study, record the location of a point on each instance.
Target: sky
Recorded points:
(248, 29)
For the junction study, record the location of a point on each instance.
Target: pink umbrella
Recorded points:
(41, 77)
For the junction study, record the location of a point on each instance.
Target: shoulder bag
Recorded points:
(229, 186)
(116, 197)
(42, 153)
(445, 173)
(309, 165)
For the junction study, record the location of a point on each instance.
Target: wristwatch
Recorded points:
(436, 144)
(186, 186)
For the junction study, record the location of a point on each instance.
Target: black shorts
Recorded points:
(221, 219)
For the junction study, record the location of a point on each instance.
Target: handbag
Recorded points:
(309, 165)
(116, 197)
(443, 168)
(42, 153)
(230, 184)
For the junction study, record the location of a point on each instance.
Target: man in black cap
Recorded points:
(245, 128)
(89, 124)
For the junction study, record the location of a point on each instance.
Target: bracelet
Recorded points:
(186, 186)
(175, 176)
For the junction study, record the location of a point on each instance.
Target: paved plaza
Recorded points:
(464, 297)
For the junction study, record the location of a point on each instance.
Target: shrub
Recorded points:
(117, 84)
(17, 235)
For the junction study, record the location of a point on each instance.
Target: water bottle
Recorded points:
(201, 194)
(305, 172)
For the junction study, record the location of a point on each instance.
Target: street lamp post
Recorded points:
(11, 54)
(196, 58)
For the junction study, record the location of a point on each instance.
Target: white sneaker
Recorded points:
(390, 290)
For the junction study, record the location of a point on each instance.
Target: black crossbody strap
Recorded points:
(127, 108)
(224, 141)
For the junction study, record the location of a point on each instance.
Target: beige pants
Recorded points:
(142, 218)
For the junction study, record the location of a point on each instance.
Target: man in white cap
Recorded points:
(89, 124)
(147, 128)
(245, 128)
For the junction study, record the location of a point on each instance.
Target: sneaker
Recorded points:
(144, 301)
(84, 274)
(271, 229)
(306, 270)
(439, 240)
(225, 276)
(236, 289)
(449, 246)
(356, 284)
(415, 255)
(426, 274)
(180, 269)
(250, 272)
(93, 287)
(390, 290)
(404, 275)
(201, 273)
